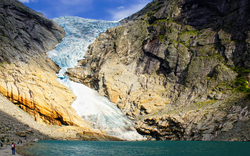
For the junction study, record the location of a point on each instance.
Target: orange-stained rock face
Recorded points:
(39, 93)
(27, 76)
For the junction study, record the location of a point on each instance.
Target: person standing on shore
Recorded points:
(13, 146)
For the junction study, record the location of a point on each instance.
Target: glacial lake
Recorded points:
(136, 148)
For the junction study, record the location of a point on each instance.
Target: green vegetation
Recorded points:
(162, 37)
(169, 20)
(161, 20)
(156, 3)
(243, 70)
(169, 30)
(201, 104)
(194, 32)
(149, 14)
(158, 22)
(242, 85)
(2, 63)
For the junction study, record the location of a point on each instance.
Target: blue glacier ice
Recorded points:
(90, 105)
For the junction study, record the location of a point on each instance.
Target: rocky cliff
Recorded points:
(179, 68)
(28, 79)
(27, 76)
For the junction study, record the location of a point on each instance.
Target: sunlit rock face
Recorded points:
(28, 77)
(90, 105)
(178, 67)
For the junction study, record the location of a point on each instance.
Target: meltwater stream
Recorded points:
(91, 106)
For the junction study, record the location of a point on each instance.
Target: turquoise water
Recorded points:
(139, 148)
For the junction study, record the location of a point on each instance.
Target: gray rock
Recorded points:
(183, 56)
(21, 133)
(218, 96)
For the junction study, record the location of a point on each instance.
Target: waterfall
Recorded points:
(90, 105)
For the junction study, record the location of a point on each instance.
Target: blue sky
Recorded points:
(110, 10)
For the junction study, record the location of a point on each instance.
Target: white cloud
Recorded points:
(123, 13)
(28, 1)
(24, 1)
(144, 1)
(72, 2)
(121, 7)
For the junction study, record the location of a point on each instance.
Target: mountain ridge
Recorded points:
(179, 68)
(28, 78)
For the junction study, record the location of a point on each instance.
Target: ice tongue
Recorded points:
(98, 110)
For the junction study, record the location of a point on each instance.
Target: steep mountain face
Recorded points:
(179, 68)
(28, 77)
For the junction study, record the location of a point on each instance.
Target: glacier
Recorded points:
(90, 105)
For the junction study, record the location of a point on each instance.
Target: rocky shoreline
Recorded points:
(17, 124)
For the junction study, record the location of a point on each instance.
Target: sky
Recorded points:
(109, 10)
